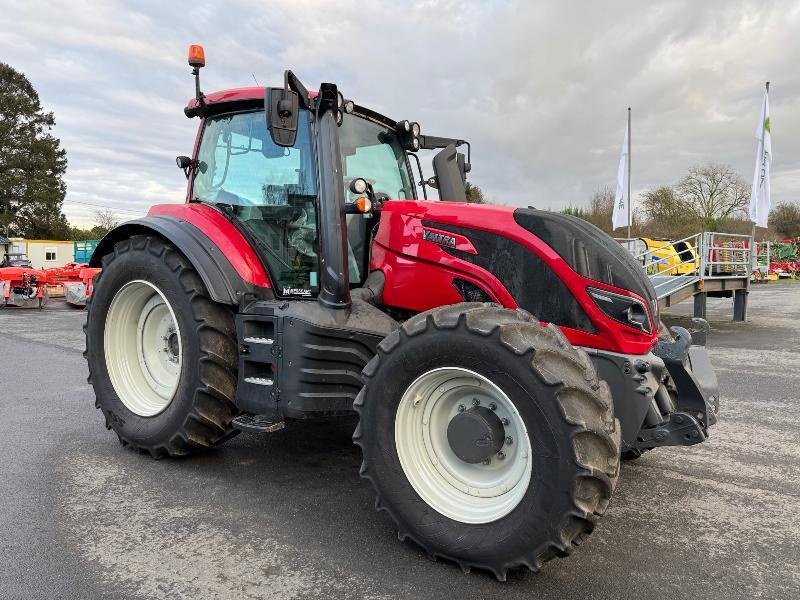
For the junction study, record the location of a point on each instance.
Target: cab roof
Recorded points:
(241, 95)
(244, 98)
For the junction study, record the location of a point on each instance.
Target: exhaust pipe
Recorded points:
(334, 281)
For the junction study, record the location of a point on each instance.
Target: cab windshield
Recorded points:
(370, 151)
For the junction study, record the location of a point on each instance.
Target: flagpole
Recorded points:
(629, 171)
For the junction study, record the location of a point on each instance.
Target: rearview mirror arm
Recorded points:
(421, 176)
(433, 142)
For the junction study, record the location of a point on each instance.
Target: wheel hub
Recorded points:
(142, 345)
(471, 465)
(172, 347)
(475, 435)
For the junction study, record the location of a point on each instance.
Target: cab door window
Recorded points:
(270, 189)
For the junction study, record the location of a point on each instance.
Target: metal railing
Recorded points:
(726, 255)
(707, 255)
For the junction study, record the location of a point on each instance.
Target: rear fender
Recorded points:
(228, 280)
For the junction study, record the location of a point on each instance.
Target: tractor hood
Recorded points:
(590, 251)
(559, 268)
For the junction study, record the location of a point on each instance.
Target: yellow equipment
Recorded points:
(670, 258)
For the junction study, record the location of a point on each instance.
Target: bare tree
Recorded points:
(784, 218)
(104, 221)
(713, 193)
(601, 207)
(666, 215)
(474, 194)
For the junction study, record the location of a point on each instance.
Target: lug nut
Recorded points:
(505, 421)
(461, 408)
(501, 455)
(509, 440)
(488, 461)
(475, 402)
(492, 406)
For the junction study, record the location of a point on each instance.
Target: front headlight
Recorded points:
(625, 309)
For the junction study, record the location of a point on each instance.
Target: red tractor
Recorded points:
(501, 360)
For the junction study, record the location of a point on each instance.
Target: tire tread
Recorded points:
(585, 403)
(209, 420)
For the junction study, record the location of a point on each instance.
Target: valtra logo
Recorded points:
(439, 238)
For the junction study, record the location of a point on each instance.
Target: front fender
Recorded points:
(218, 252)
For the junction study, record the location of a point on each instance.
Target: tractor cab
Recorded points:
(285, 163)
(272, 190)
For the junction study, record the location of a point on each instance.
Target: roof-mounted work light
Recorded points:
(408, 134)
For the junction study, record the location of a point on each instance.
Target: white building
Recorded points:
(43, 254)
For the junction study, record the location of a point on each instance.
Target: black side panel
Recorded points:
(534, 286)
(220, 278)
(300, 359)
(588, 250)
(633, 391)
(323, 367)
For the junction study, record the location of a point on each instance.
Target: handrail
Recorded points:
(714, 255)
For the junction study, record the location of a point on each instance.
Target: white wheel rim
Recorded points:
(469, 493)
(142, 345)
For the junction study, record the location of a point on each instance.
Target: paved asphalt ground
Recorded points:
(285, 515)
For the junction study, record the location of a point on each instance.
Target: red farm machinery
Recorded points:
(26, 287)
(500, 360)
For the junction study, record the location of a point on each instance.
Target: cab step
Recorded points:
(257, 423)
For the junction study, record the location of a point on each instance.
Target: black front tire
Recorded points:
(567, 411)
(201, 410)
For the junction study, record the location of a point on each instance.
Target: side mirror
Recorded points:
(449, 175)
(185, 163)
(463, 166)
(283, 111)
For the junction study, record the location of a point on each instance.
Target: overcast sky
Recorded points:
(539, 88)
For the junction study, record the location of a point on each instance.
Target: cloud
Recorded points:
(540, 89)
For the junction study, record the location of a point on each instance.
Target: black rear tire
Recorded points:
(567, 411)
(201, 410)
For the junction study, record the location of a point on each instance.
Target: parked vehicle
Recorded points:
(16, 259)
(500, 359)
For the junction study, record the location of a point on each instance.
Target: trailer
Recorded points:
(23, 287)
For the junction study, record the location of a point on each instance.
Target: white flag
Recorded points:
(621, 212)
(759, 197)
